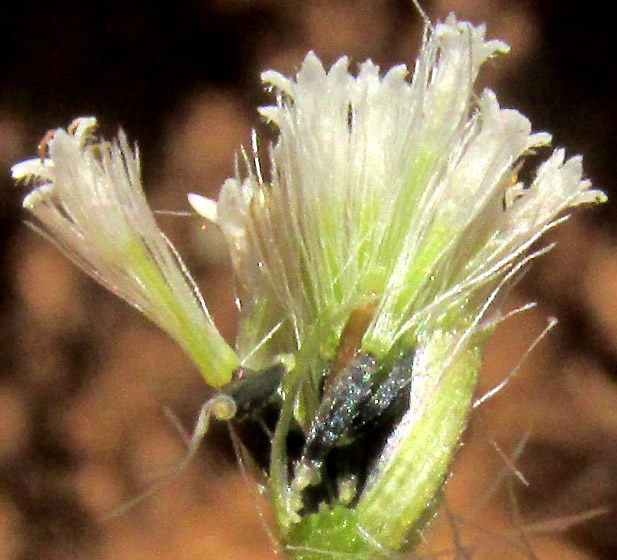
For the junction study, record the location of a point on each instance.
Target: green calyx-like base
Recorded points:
(330, 533)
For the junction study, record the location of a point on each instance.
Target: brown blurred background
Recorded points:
(84, 378)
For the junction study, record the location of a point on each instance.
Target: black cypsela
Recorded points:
(357, 412)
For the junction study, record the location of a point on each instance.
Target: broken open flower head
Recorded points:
(367, 262)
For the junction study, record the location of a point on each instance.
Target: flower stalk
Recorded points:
(370, 263)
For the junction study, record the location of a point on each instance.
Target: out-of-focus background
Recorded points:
(84, 378)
